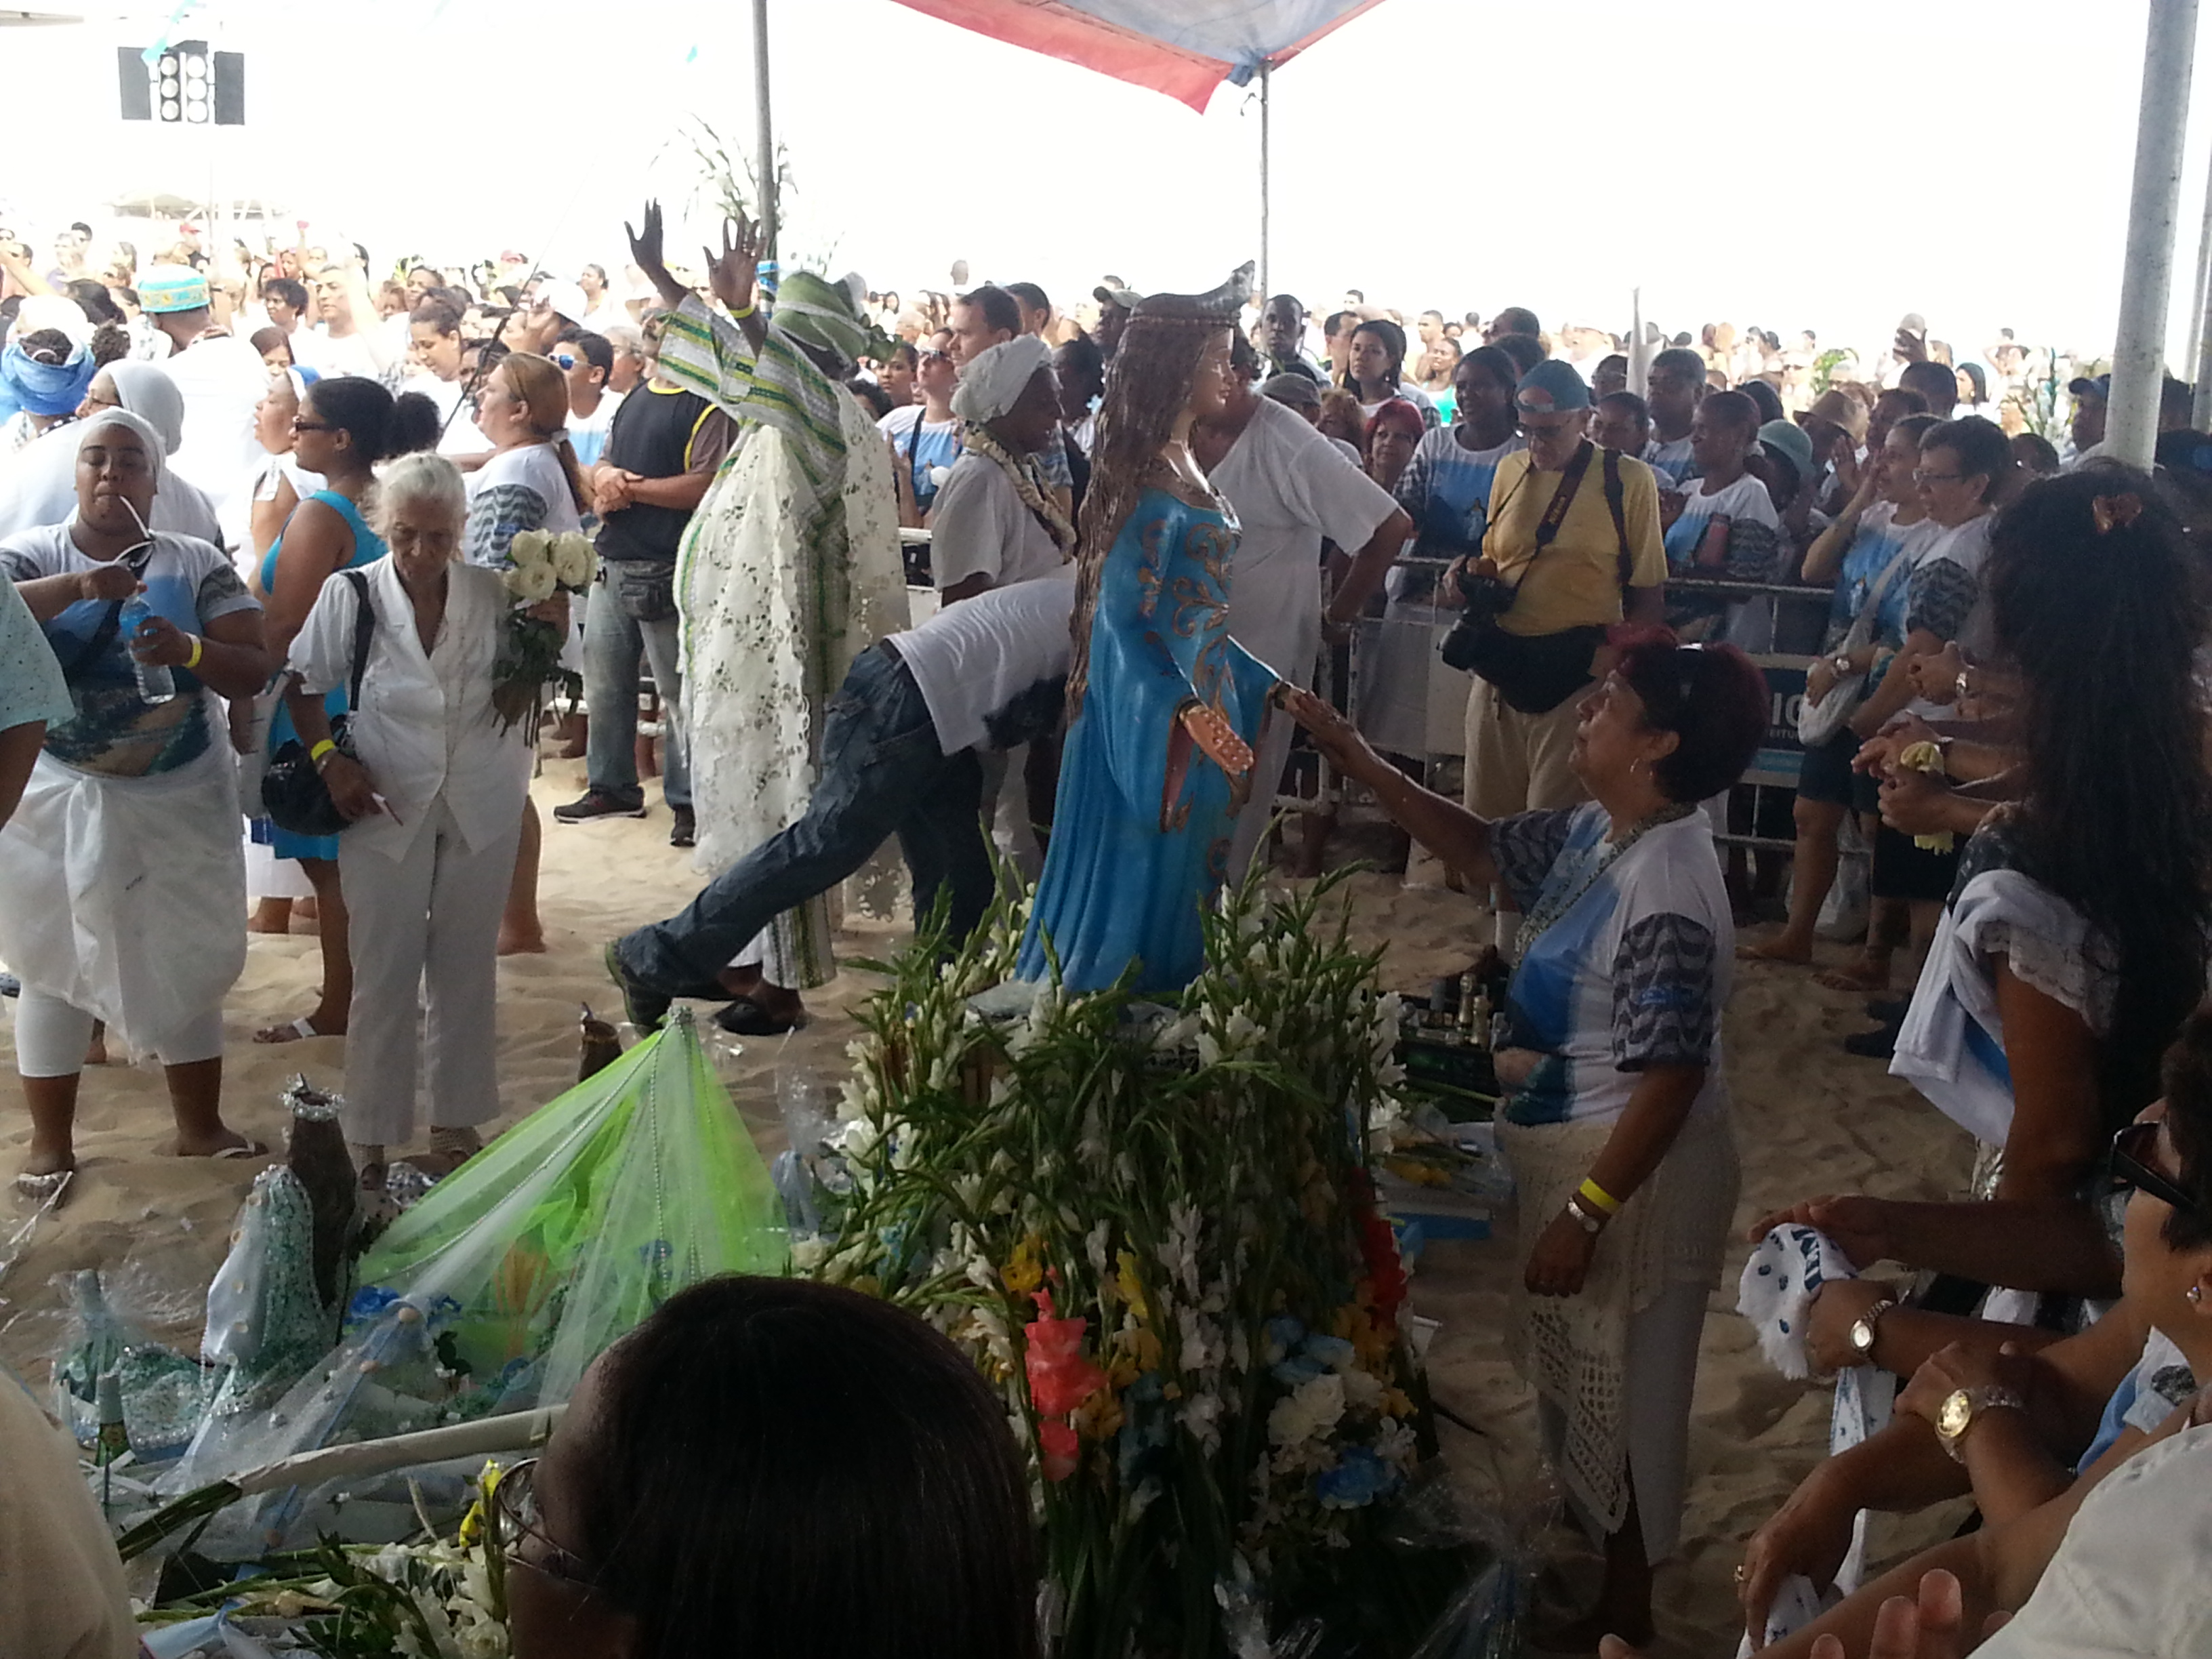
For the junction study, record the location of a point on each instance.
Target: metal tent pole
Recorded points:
(764, 134)
(2147, 283)
(1265, 69)
(2200, 317)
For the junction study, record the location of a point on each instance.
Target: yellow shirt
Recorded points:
(1577, 581)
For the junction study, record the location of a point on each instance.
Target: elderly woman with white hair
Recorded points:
(433, 793)
(122, 888)
(995, 521)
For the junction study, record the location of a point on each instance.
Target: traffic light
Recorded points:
(184, 83)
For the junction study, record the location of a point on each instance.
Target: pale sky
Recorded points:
(1790, 166)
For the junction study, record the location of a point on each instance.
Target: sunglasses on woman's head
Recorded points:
(2131, 1167)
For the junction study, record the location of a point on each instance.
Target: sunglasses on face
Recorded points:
(2133, 1149)
(564, 360)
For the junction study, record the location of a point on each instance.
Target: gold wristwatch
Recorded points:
(1962, 1405)
(1862, 1330)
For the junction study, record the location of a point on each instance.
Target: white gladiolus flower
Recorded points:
(531, 583)
(1308, 1412)
(532, 549)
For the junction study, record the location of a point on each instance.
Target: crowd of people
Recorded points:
(253, 508)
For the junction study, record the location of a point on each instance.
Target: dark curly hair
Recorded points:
(2103, 626)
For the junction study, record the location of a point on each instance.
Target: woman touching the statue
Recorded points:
(1163, 706)
(1615, 1120)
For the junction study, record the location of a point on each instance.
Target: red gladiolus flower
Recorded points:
(1060, 1378)
(1058, 1448)
(1386, 1273)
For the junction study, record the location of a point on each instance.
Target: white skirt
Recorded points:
(126, 897)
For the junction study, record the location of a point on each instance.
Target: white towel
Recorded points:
(1789, 1264)
(1956, 988)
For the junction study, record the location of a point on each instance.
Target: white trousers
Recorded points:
(425, 935)
(51, 1036)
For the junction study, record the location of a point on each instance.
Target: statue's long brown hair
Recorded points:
(1148, 382)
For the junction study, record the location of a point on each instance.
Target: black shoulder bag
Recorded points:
(293, 792)
(1535, 673)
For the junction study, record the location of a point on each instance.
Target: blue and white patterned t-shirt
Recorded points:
(1634, 973)
(1880, 540)
(1445, 491)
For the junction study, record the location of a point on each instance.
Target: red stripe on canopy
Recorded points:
(1056, 30)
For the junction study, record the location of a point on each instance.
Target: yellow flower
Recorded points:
(1099, 1418)
(1023, 1272)
(1128, 1285)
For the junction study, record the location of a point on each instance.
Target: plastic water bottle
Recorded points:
(155, 683)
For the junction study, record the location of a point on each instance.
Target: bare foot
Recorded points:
(271, 916)
(521, 945)
(96, 1052)
(1781, 948)
(58, 1161)
(307, 909)
(317, 1024)
(1863, 977)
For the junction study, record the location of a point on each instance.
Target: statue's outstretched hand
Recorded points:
(1216, 738)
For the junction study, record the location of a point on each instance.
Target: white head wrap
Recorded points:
(155, 455)
(994, 380)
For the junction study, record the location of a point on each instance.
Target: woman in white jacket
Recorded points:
(435, 809)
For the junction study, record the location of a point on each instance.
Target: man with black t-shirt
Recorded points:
(661, 454)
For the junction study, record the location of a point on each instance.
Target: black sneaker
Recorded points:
(684, 832)
(1878, 1044)
(646, 1009)
(596, 806)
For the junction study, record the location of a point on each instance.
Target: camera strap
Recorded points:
(1562, 497)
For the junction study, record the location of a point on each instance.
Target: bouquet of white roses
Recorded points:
(540, 564)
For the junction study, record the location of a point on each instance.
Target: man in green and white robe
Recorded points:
(790, 569)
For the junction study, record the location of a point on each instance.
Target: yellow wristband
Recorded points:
(739, 316)
(193, 661)
(326, 747)
(1598, 1195)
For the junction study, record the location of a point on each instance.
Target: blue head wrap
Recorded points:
(43, 388)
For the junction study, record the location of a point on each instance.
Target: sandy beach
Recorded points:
(1810, 1119)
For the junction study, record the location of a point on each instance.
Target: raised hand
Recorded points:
(645, 246)
(731, 274)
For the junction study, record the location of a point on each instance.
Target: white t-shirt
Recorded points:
(354, 355)
(1413, 395)
(587, 433)
(971, 659)
(223, 382)
(1671, 462)
(1748, 623)
(980, 525)
(1290, 489)
(460, 435)
(2128, 1581)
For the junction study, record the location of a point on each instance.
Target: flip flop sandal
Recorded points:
(251, 1149)
(44, 1190)
(745, 1018)
(294, 1030)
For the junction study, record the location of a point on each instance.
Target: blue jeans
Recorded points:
(882, 774)
(614, 643)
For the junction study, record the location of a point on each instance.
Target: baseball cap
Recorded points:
(163, 289)
(2083, 386)
(567, 299)
(1296, 390)
(1791, 442)
(1551, 387)
(1126, 298)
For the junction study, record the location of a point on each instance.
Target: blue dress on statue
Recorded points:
(1130, 865)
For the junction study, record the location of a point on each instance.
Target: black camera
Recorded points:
(1484, 598)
